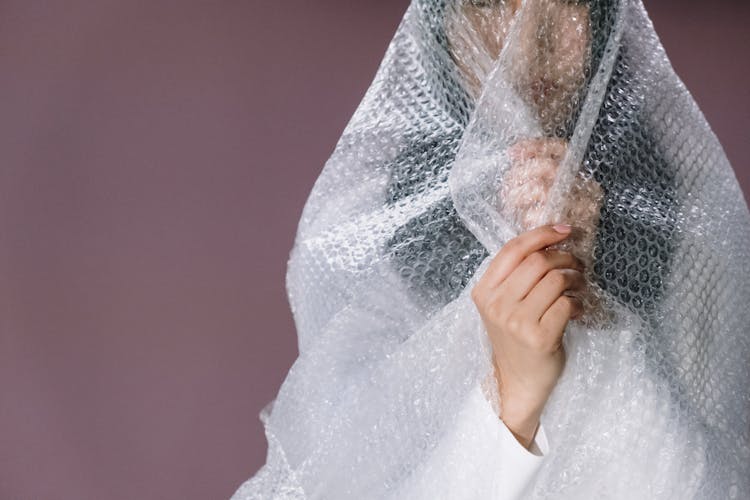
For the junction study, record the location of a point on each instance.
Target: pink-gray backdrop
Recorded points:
(154, 160)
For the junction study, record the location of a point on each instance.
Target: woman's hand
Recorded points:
(533, 168)
(534, 164)
(522, 299)
(526, 184)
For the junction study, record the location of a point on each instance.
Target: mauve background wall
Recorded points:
(154, 160)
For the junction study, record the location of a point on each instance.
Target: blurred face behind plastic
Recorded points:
(548, 63)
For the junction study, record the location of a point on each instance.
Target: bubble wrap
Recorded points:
(486, 119)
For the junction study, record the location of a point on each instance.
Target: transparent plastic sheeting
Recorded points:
(486, 119)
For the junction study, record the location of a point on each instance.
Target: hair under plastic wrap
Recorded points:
(432, 176)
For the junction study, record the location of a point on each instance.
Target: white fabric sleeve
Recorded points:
(519, 464)
(478, 458)
(538, 447)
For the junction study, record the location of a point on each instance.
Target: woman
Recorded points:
(474, 37)
(432, 292)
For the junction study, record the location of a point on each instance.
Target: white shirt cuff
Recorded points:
(538, 447)
(519, 463)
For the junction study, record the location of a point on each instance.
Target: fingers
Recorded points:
(526, 186)
(534, 268)
(527, 167)
(557, 316)
(514, 252)
(534, 164)
(534, 147)
(523, 170)
(549, 289)
(532, 216)
(526, 206)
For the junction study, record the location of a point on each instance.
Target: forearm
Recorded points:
(521, 419)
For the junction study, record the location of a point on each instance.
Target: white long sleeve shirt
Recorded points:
(478, 459)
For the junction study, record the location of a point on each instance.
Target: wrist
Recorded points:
(521, 415)
(523, 426)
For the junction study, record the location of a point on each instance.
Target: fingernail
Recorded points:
(562, 228)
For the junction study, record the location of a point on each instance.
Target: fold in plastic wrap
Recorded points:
(485, 119)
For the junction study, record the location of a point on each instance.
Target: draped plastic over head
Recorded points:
(484, 120)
